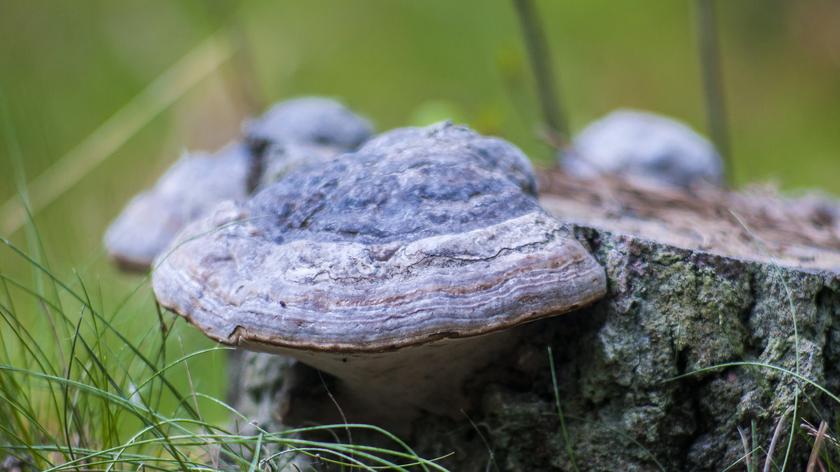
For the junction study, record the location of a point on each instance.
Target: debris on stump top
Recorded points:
(755, 224)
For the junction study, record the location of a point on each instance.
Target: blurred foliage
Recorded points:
(66, 67)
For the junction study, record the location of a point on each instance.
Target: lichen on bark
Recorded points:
(669, 312)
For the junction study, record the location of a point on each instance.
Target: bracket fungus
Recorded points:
(398, 269)
(314, 120)
(192, 186)
(643, 145)
(289, 134)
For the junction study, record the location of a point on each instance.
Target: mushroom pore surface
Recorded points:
(412, 239)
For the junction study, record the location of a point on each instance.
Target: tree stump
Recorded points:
(721, 320)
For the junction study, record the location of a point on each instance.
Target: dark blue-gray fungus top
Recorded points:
(404, 185)
(423, 234)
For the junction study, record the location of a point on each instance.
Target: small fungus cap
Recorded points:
(405, 242)
(315, 120)
(645, 145)
(196, 183)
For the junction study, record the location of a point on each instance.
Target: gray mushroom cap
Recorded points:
(377, 251)
(637, 144)
(314, 120)
(398, 269)
(193, 185)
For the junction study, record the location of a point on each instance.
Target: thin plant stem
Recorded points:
(815, 451)
(560, 415)
(712, 75)
(777, 433)
(239, 74)
(540, 58)
(745, 442)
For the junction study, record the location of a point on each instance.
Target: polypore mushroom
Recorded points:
(397, 269)
(637, 144)
(194, 184)
(290, 133)
(314, 120)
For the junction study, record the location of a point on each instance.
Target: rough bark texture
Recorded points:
(669, 312)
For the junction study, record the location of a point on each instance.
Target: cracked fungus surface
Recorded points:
(424, 233)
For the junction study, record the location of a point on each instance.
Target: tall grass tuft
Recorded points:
(81, 388)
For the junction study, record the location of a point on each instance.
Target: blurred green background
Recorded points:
(67, 67)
